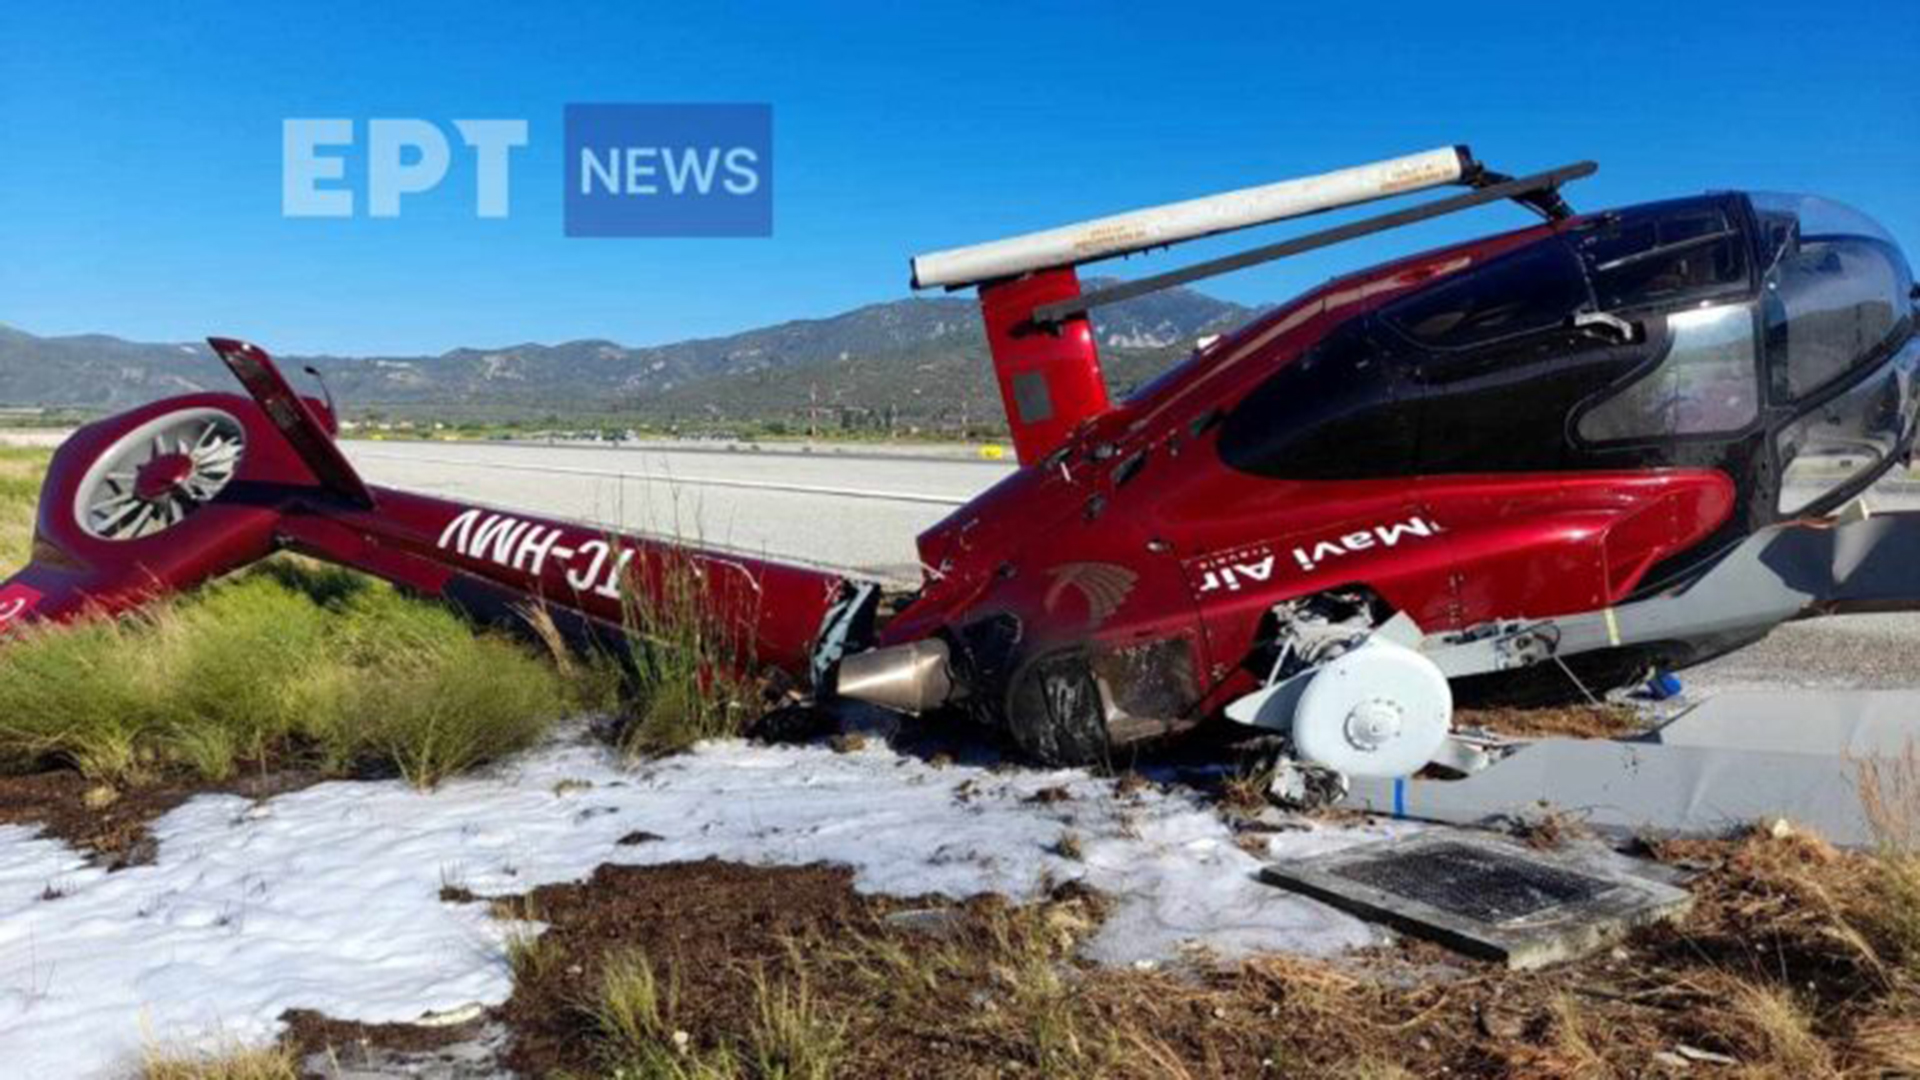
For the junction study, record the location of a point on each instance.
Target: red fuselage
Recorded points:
(1530, 425)
(1548, 422)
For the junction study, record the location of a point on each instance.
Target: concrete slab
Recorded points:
(1485, 896)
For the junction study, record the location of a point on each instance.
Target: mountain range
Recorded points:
(916, 360)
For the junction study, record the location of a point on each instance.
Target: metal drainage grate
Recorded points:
(1486, 896)
(1473, 882)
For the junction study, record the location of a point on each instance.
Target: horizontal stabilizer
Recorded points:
(294, 418)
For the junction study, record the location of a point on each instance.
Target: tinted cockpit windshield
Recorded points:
(1838, 292)
(1838, 300)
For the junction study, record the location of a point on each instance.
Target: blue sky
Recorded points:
(140, 143)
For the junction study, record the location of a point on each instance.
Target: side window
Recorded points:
(1336, 412)
(1707, 382)
(1837, 443)
(1664, 252)
(1832, 303)
(1535, 288)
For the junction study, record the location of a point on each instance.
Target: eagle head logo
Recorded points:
(1103, 586)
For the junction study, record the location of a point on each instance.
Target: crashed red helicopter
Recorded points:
(1534, 465)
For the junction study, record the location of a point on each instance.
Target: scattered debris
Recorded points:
(1605, 721)
(848, 742)
(1245, 792)
(1551, 829)
(938, 922)
(466, 1049)
(1704, 1057)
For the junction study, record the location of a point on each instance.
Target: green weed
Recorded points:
(284, 664)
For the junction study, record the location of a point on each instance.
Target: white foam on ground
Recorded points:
(328, 898)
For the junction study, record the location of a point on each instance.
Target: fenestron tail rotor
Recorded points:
(155, 476)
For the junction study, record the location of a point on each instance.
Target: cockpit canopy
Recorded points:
(1816, 291)
(1836, 289)
(1770, 336)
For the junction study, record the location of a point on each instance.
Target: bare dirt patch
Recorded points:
(312, 1033)
(329, 1049)
(1770, 973)
(111, 823)
(708, 923)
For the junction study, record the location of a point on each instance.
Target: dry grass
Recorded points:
(1785, 967)
(791, 1036)
(1890, 793)
(1245, 792)
(231, 1063)
(1369, 1068)
(632, 1012)
(1005, 979)
(1799, 959)
(632, 1009)
(1571, 721)
(530, 955)
(1768, 1024)
(21, 471)
(1572, 1042)
(1793, 907)
(529, 950)
(1887, 1042)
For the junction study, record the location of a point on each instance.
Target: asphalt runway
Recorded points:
(860, 511)
(853, 511)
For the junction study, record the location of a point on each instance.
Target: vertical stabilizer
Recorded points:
(1049, 379)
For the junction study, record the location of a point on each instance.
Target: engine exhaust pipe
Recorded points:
(911, 678)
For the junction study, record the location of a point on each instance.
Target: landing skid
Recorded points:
(1733, 759)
